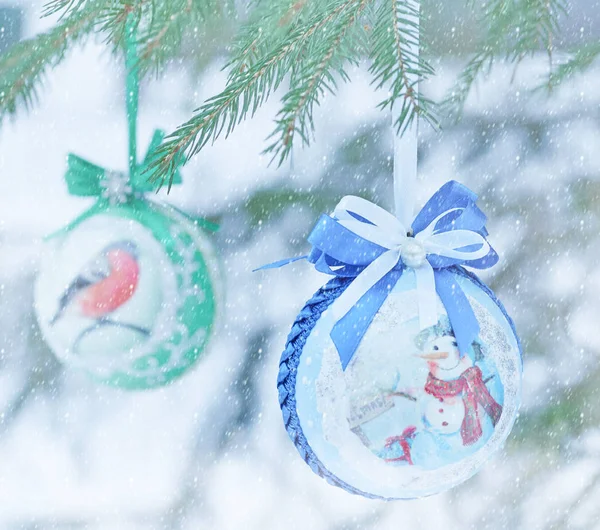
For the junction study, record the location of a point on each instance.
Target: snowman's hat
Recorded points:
(444, 329)
(441, 329)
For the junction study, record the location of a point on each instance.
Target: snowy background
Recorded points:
(210, 451)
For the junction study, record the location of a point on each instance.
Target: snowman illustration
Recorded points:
(456, 399)
(430, 414)
(438, 419)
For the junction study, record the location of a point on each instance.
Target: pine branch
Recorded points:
(163, 25)
(172, 23)
(247, 90)
(538, 24)
(454, 102)
(110, 15)
(396, 63)
(515, 29)
(311, 42)
(310, 81)
(23, 68)
(269, 26)
(64, 7)
(578, 62)
(269, 23)
(499, 17)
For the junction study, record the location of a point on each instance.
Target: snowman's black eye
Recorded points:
(436, 348)
(454, 343)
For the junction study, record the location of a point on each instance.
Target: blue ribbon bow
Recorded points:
(363, 241)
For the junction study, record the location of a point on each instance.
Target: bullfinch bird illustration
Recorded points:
(104, 285)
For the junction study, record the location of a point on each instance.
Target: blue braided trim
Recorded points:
(290, 358)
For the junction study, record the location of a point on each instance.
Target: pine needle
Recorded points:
(309, 43)
(514, 29)
(249, 88)
(24, 66)
(578, 62)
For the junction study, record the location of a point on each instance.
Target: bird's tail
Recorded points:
(56, 316)
(76, 286)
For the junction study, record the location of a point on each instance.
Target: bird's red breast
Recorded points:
(112, 292)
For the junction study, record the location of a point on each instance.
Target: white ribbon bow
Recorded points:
(388, 232)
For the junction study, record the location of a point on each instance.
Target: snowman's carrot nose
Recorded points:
(433, 356)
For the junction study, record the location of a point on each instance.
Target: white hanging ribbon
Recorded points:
(406, 146)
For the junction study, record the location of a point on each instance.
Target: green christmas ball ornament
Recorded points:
(129, 291)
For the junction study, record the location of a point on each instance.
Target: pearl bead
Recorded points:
(412, 253)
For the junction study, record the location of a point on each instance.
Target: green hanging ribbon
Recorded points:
(86, 179)
(132, 88)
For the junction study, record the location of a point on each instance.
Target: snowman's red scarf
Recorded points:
(472, 389)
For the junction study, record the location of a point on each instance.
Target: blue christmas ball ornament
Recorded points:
(401, 376)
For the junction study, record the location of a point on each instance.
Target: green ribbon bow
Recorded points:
(86, 179)
(116, 189)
